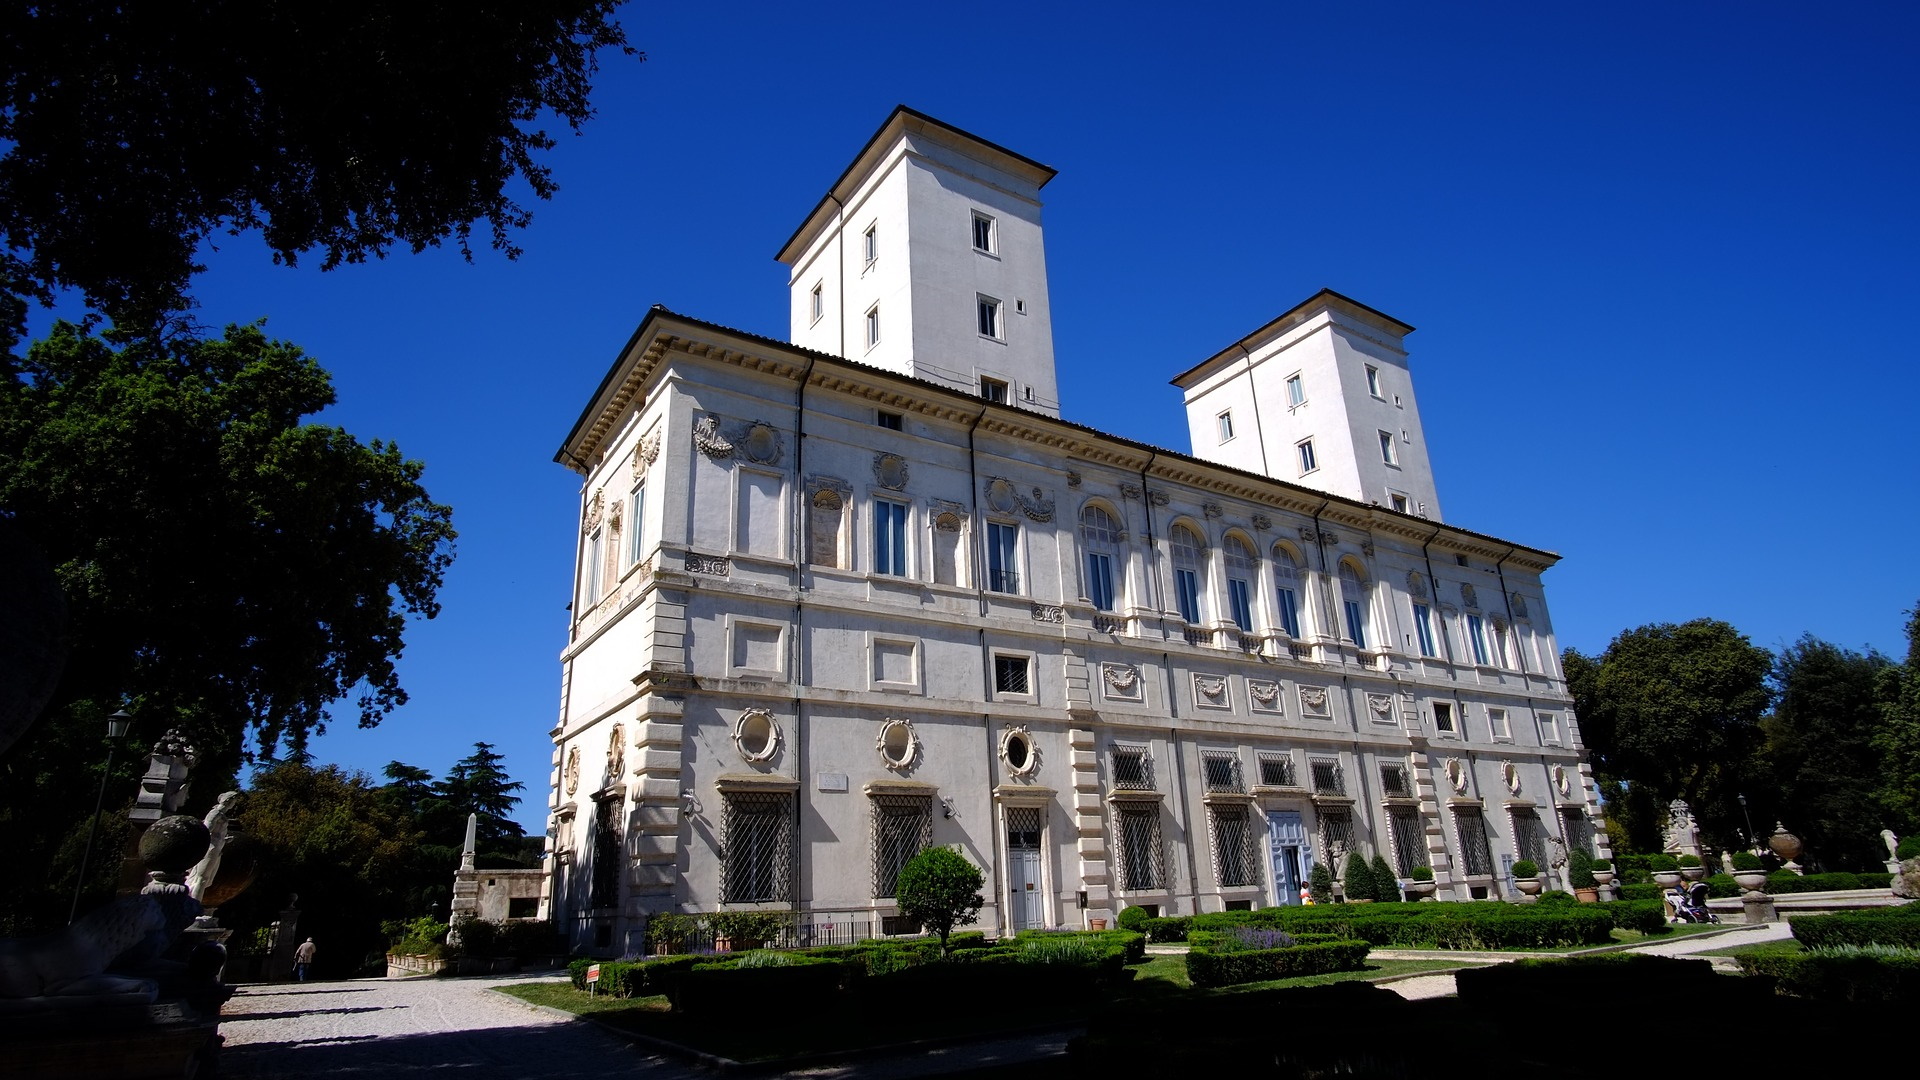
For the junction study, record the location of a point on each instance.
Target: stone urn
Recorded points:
(1694, 872)
(1751, 880)
(1420, 890)
(1528, 885)
(1786, 845)
(1603, 877)
(1666, 879)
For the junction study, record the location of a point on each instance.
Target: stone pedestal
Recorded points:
(1759, 907)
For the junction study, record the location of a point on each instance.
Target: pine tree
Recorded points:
(1358, 880)
(478, 785)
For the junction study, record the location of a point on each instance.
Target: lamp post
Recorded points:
(1749, 817)
(117, 726)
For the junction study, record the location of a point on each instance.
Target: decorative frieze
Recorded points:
(1262, 522)
(1210, 691)
(1315, 702)
(1120, 681)
(1049, 613)
(710, 565)
(1263, 696)
(708, 440)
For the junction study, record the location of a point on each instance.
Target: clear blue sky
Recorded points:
(1661, 257)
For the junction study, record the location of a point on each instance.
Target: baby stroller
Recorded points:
(1689, 904)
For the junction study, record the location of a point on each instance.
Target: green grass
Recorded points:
(1788, 947)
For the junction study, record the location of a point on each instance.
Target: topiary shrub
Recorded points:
(1526, 868)
(1207, 968)
(1747, 860)
(1423, 873)
(939, 889)
(1601, 864)
(1320, 884)
(1386, 884)
(1688, 862)
(1580, 869)
(1909, 848)
(1357, 882)
(1135, 918)
(1662, 862)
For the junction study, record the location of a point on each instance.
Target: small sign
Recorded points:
(831, 781)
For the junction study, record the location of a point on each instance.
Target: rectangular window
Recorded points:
(1296, 391)
(1530, 838)
(1373, 381)
(1442, 716)
(1357, 623)
(1308, 462)
(1186, 590)
(1497, 725)
(1139, 827)
(1100, 580)
(1399, 502)
(1409, 840)
(1226, 425)
(592, 572)
(1233, 847)
(1240, 600)
(1476, 859)
(817, 303)
(873, 326)
(994, 390)
(1010, 675)
(1222, 772)
(1002, 542)
(1276, 770)
(1393, 781)
(888, 420)
(1502, 652)
(889, 538)
(870, 244)
(1549, 729)
(1326, 777)
(1130, 771)
(1387, 454)
(1284, 578)
(902, 828)
(1477, 637)
(1336, 835)
(983, 233)
(756, 847)
(1423, 629)
(989, 310)
(636, 522)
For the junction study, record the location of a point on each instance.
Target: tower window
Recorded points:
(1387, 454)
(870, 244)
(1226, 425)
(983, 233)
(1296, 391)
(989, 310)
(817, 303)
(993, 390)
(1373, 381)
(1308, 462)
(873, 326)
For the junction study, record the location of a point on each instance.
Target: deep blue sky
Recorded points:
(1661, 258)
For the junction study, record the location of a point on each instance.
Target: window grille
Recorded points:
(902, 828)
(607, 859)
(1529, 839)
(1475, 857)
(1139, 850)
(1393, 781)
(1130, 771)
(1222, 772)
(1276, 770)
(1023, 827)
(1409, 840)
(1336, 835)
(1579, 830)
(1010, 675)
(756, 847)
(1327, 779)
(1233, 852)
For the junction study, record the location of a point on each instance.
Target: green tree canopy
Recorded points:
(940, 889)
(219, 557)
(1819, 754)
(478, 784)
(135, 132)
(1898, 739)
(1673, 711)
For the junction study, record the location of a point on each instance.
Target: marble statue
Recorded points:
(208, 868)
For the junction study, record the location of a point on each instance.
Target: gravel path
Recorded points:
(404, 1027)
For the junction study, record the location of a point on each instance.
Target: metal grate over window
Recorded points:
(1139, 849)
(1326, 777)
(756, 847)
(1130, 770)
(1475, 857)
(1529, 839)
(1276, 770)
(1222, 772)
(606, 852)
(1393, 780)
(1010, 675)
(1579, 830)
(902, 828)
(1336, 835)
(1409, 840)
(1023, 827)
(1233, 853)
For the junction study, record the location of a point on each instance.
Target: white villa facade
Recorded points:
(842, 598)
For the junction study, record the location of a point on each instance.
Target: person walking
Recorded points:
(302, 960)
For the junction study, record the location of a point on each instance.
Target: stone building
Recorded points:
(842, 598)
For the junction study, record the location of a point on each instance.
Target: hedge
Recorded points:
(1206, 968)
(1841, 978)
(1646, 916)
(1874, 926)
(802, 979)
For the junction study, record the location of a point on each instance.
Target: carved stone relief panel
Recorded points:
(1263, 696)
(1120, 682)
(1315, 702)
(1210, 691)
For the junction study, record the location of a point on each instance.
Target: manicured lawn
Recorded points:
(1160, 977)
(1789, 947)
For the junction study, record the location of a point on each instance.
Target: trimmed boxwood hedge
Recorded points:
(1874, 926)
(1440, 925)
(1841, 978)
(1207, 968)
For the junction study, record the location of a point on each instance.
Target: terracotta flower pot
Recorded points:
(1587, 896)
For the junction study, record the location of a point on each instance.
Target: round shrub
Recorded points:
(1909, 848)
(1662, 861)
(1358, 880)
(1135, 918)
(1423, 873)
(1320, 884)
(1601, 864)
(1688, 862)
(1747, 860)
(1526, 868)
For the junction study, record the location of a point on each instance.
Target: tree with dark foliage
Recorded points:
(136, 132)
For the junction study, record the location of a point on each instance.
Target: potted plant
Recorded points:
(1749, 872)
(667, 932)
(744, 929)
(1602, 871)
(1692, 868)
(1526, 877)
(1422, 885)
(1580, 875)
(1664, 869)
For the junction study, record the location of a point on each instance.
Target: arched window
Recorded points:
(1353, 596)
(1099, 536)
(1286, 589)
(1187, 556)
(1239, 563)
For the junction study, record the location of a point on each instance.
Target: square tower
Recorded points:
(926, 258)
(1321, 397)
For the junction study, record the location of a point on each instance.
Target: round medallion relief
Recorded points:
(573, 770)
(898, 746)
(1019, 751)
(762, 443)
(756, 735)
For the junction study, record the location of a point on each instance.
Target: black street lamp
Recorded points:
(117, 726)
(1749, 817)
